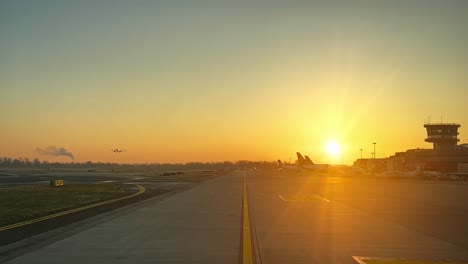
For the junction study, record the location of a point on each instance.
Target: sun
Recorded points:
(333, 148)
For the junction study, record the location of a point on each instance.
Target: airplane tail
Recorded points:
(280, 164)
(309, 161)
(300, 159)
(304, 160)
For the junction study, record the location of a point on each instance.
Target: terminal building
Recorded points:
(446, 154)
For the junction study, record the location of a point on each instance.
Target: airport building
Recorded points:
(443, 136)
(446, 155)
(372, 165)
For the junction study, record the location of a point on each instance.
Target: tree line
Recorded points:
(11, 163)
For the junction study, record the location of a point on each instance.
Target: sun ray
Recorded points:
(333, 148)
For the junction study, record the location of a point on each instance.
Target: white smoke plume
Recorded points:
(54, 151)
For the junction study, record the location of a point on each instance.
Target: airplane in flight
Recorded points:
(118, 150)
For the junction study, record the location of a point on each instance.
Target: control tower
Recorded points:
(444, 136)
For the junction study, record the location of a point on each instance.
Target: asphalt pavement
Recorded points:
(307, 218)
(198, 225)
(294, 218)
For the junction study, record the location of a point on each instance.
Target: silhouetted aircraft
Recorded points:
(283, 166)
(302, 161)
(118, 150)
(302, 164)
(308, 164)
(418, 172)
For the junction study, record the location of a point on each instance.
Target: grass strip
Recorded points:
(23, 203)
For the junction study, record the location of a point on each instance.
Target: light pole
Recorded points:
(374, 149)
(361, 153)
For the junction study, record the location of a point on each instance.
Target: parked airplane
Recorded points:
(397, 174)
(302, 164)
(288, 167)
(302, 161)
(118, 150)
(418, 172)
(455, 175)
(401, 174)
(308, 164)
(433, 174)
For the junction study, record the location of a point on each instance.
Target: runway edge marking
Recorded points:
(247, 256)
(28, 222)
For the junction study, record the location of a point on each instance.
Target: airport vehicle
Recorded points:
(118, 150)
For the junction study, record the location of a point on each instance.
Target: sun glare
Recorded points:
(333, 148)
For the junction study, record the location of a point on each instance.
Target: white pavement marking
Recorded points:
(362, 260)
(302, 198)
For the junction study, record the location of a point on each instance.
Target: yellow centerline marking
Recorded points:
(3, 228)
(247, 256)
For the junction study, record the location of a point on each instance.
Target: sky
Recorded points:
(181, 81)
